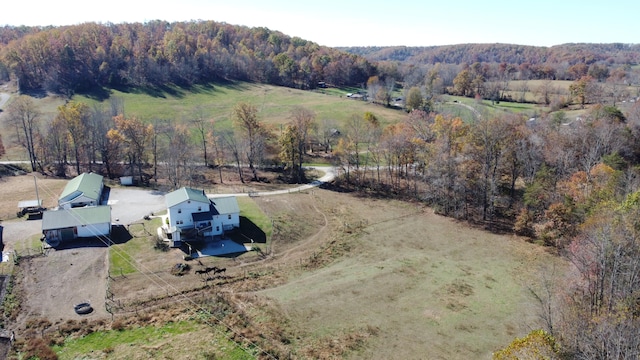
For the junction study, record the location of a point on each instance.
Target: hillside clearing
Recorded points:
(422, 283)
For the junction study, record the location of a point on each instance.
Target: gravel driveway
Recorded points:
(131, 205)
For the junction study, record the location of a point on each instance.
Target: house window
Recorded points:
(179, 211)
(229, 216)
(199, 208)
(217, 228)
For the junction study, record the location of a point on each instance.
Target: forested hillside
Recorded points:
(75, 58)
(570, 54)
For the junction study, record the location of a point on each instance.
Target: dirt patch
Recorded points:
(55, 283)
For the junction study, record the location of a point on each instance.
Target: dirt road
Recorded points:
(4, 97)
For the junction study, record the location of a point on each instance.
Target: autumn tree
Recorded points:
(24, 116)
(487, 144)
(136, 137)
(444, 172)
(581, 89)
(247, 123)
(287, 142)
(463, 83)
(56, 144)
(415, 100)
(75, 115)
(114, 145)
(538, 344)
(600, 303)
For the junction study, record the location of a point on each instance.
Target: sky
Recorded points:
(337, 23)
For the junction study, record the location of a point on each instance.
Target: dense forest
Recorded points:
(75, 58)
(573, 186)
(566, 54)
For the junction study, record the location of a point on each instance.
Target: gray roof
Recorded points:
(89, 184)
(183, 194)
(61, 219)
(226, 205)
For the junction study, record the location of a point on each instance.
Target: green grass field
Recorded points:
(216, 102)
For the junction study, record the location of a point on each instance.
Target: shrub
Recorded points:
(38, 348)
(538, 344)
(117, 325)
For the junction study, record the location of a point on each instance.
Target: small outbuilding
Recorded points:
(83, 190)
(68, 224)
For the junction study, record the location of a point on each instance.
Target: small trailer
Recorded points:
(32, 208)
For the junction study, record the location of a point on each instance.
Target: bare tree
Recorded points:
(327, 132)
(231, 143)
(25, 117)
(178, 155)
(101, 123)
(201, 126)
(302, 120)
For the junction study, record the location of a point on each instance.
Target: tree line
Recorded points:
(559, 56)
(68, 59)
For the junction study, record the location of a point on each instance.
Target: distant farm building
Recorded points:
(68, 224)
(83, 190)
(191, 215)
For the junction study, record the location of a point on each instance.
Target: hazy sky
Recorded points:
(367, 23)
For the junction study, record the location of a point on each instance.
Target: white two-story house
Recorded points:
(191, 215)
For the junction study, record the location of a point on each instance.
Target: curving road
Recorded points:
(329, 175)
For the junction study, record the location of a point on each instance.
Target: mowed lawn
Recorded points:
(428, 286)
